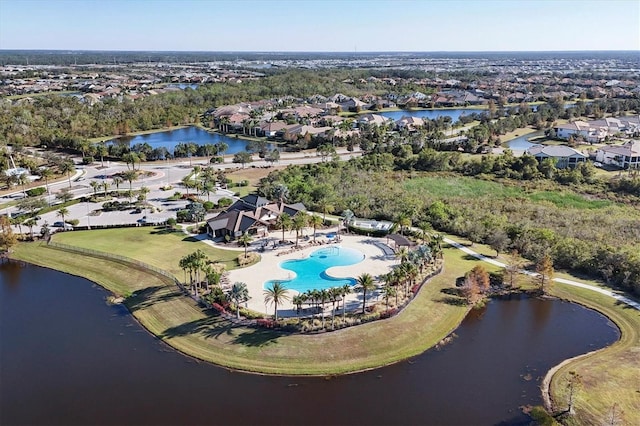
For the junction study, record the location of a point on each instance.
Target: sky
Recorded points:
(323, 26)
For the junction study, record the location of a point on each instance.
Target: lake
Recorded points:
(68, 357)
(432, 114)
(170, 138)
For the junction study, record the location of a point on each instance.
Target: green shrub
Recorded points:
(34, 192)
(224, 202)
(208, 205)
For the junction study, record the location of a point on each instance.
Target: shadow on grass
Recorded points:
(191, 240)
(257, 337)
(452, 297)
(212, 326)
(164, 231)
(149, 296)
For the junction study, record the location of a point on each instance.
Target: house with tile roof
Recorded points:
(251, 214)
(563, 155)
(626, 156)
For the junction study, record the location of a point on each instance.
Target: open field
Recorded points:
(450, 187)
(176, 319)
(457, 186)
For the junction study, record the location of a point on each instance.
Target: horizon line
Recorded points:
(315, 51)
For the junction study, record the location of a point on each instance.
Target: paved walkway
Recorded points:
(606, 292)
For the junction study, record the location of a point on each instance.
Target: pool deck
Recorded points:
(378, 260)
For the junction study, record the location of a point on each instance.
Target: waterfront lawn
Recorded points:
(156, 246)
(177, 320)
(608, 376)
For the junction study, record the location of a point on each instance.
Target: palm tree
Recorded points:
(245, 240)
(404, 220)
(67, 167)
(298, 300)
(334, 294)
(62, 212)
(436, 245)
(276, 294)
(365, 281)
(95, 185)
(199, 260)
(324, 297)
(105, 186)
(130, 176)
(298, 223)
(388, 291)
(102, 150)
(117, 180)
(284, 222)
(238, 294)
(315, 221)
(402, 254)
(344, 291)
(30, 224)
(425, 227)
(46, 173)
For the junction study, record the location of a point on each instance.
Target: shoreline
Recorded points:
(431, 333)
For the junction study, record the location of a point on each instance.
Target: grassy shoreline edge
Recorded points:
(598, 363)
(373, 353)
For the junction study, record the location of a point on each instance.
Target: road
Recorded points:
(163, 174)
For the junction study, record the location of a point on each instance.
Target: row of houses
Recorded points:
(597, 131)
(625, 156)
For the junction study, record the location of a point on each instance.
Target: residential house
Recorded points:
(626, 156)
(270, 129)
(409, 123)
(582, 129)
(372, 119)
(563, 155)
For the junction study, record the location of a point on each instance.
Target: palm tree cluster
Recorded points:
(400, 281)
(317, 299)
(199, 266)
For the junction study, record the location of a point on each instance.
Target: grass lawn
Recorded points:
(155, 246)
(176, 319)
(517, 133)
(609, 376)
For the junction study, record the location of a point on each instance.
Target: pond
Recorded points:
(70, 358)
(522, 143)
(170, 138)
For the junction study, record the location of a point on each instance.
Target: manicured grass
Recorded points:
(176, 319)
(609, 376)
(156, 246)
(456, 186)
(568, 200)
(517, 133)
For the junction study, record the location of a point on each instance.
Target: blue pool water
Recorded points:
(310, 273)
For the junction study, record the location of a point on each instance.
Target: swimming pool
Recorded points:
(310, 273)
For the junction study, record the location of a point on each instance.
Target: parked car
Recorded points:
(62, 225)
